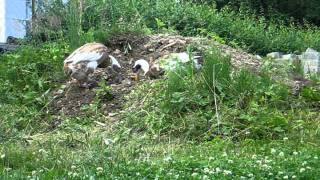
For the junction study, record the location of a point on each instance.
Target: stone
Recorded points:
(112, 114)
(117, 51)
(310, 54)
(289, 57)
(258, 57)
(311, 61)
(311, 66)
(275, 55)
(310, 50)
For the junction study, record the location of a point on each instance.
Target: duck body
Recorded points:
(91, 54)
(141, 64)
(172, 61)
(152, 69)
(85, 60)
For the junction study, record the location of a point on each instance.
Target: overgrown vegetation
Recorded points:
(27, 78)
(213, 123)
(220, 102)
(240, 29)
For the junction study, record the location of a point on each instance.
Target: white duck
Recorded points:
(184, 57)
(141, 64)
(151, 69)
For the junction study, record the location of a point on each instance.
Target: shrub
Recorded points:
(28, 74)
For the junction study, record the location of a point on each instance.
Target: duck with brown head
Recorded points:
(86, 59)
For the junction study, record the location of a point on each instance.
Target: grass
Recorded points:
(218, 102)
(174, 134)
(216, 123)
(87, 156)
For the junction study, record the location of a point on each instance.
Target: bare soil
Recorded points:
(127, 48)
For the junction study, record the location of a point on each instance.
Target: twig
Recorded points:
(169, 45)
(100, 123)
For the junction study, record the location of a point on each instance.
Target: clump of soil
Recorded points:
(127, 48)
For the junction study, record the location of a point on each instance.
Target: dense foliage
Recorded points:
(239, 29)
(213, 123)
(283, 10)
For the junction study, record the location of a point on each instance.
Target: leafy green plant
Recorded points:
(104, 93)
(217, 101)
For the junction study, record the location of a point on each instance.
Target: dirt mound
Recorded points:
(127, 48)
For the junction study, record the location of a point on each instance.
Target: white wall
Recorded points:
(2, 21)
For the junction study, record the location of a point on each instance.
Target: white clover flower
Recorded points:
(227, 172)
(266, 166)
(304, 163)
(293, 177)
(42, 151)
(254, 156)
(281, 154)
(194, 174)
(230, 161)
(302, 170)
(2, 156)
(177, 176)
(242, 177)
(205, 177)
(211, 158)
(250, 175)
(259, 162)
(308, 167)
(74, 174)
(224, 154)
(108, 141)
(218, 170)
(316, 157)
(295, 153)
(206, 170)
(73, 167)
(99, 169)
(280, 172)
(285, 138)
(273, 150)
(167, 159)
(285, 177)
(267, 161)
(270, 174)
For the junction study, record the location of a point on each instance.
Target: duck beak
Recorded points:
(135, 76)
